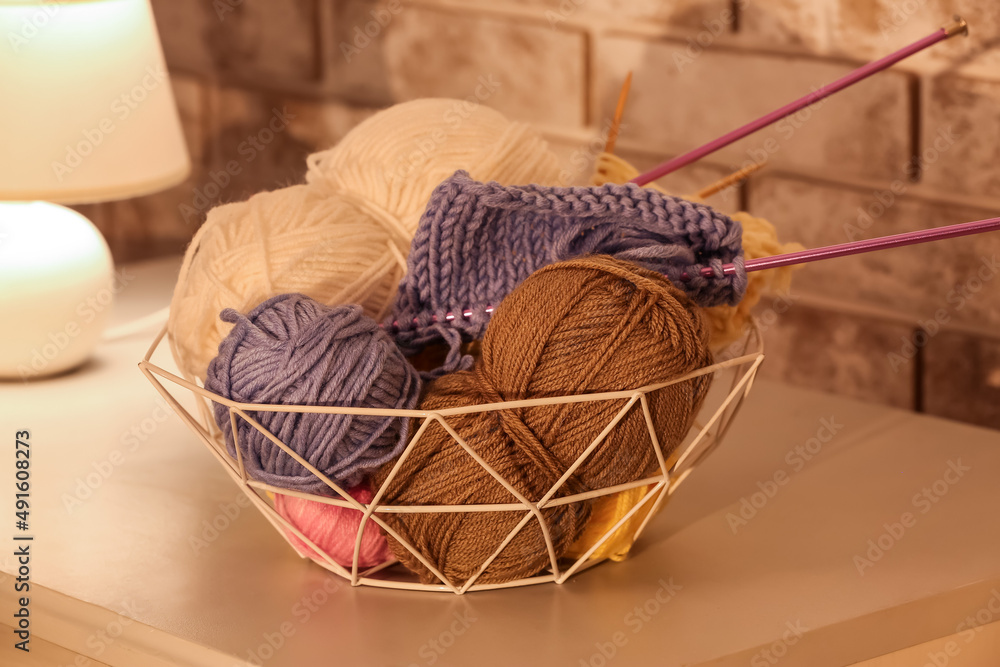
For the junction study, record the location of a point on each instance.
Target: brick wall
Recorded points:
(915, 147)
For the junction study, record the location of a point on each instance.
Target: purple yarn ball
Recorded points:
(293, 350)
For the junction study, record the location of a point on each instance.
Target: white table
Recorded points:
(119, 574)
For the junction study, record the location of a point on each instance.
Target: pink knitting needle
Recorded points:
(859, 247)
(817, 254)
(959, 26)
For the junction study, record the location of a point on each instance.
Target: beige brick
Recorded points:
(689, 14)
(796, 24)
(835, 352)
(190, 95)
(686, 14)
(254, 140)
(962, 135)
(163, 223)
(578, 159)
(689, 181)
(261, 140)
(528, 72)
(273, 39)
(681, 100)
(139, 228)
(870, 29)
(186, 31)
(155, 225)
(322, 124)
(356, 67)
(918, 281)
(149, 226)
(962, 378)
(248, 40)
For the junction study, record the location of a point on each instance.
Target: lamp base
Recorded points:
(56, 289)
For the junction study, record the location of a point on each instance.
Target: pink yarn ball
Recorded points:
(334, 529)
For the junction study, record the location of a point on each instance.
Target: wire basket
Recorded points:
(734, 375)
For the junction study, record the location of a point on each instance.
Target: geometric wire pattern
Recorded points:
(701, 441)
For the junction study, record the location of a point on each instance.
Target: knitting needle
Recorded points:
(730, 180)
(959, 26)
(859, 247)
(616, 122)
(817, 254)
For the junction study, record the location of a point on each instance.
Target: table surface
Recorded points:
(124, 570)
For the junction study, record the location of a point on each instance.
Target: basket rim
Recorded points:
(147, 364)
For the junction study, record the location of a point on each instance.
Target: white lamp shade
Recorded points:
(86, 109)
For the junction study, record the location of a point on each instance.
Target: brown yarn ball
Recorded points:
(587, 325)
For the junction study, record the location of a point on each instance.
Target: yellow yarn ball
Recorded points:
(609, 168)
(343, 236)
(605, 513)
(727, 325)
(760, 239)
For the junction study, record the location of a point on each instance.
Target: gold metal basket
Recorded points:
(734, 378)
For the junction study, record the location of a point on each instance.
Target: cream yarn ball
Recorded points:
(343, 237)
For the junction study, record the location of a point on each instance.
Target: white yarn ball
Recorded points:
(397, 157)
(343, 237)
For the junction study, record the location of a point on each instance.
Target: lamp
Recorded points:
(87, 115)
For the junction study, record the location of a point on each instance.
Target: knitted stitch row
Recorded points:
(477, 241)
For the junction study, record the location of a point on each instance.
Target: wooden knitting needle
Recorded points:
(616, 122)
(718, 186)
(730, 180)
(817, 254)
(958, 27)
(860, 247)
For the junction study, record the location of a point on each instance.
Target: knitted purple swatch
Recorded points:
(293, 350)
(477, 241)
